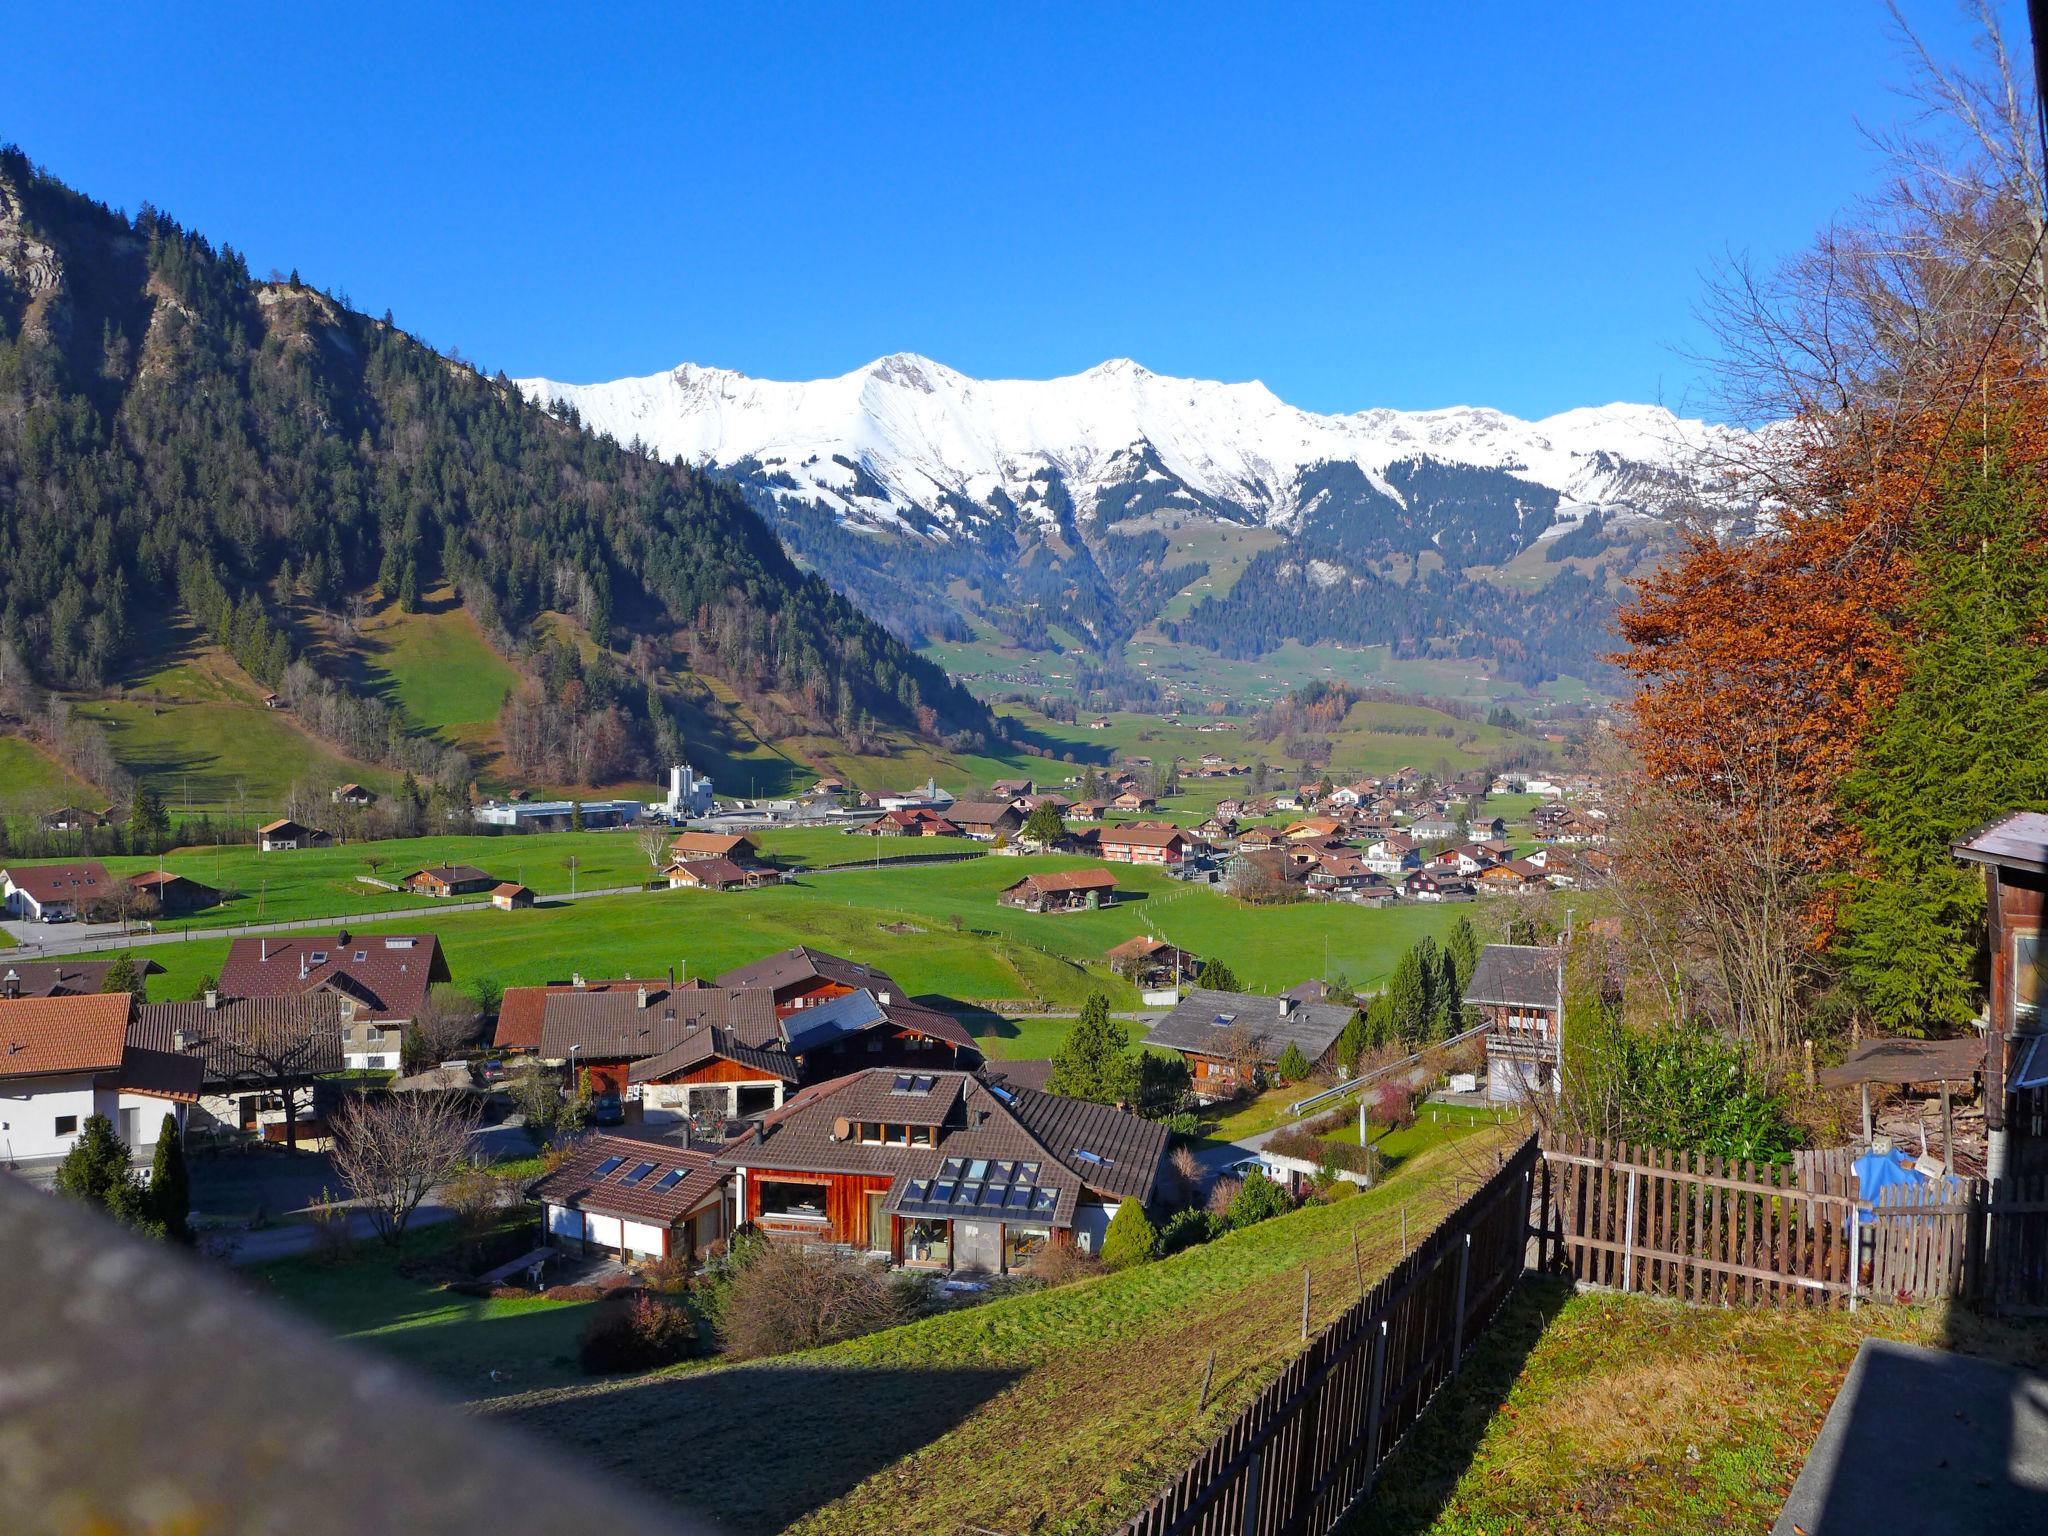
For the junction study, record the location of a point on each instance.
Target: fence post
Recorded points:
(1855, 1250)
(1458, 1320)
(1372, 1408)
(1251, 1494)
(1628, 1237)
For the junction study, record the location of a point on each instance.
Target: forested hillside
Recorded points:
(256, 459)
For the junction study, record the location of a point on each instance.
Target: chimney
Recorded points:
(341, 939)
(212, 999)
(10, 985)
(180, 1041)
(639, 997)
(884, 998)
(576, 980)
(671, 978)
(1287, 1006)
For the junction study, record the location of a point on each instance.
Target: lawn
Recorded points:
(32, 780)
(1056, 1411)
(1603, 1413)
(1436, 1125)
(436, 666)
(530, 1342)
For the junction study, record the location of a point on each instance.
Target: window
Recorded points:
(609, 1165)
(67, 1125)
(640, 1171)
(792, 1201)
(1022, 1244)
(923, 1136)
(927, 1241)
(668, 1180)
(2027, 978)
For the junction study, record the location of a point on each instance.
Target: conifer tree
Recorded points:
(122, 976)
(1407, 995)
(1093, 1062)
(1131, 1237)
(1215, 976)
(170, 1189)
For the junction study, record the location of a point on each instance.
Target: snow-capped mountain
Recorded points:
(911, 444)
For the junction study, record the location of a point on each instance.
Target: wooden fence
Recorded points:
(1297, 1459)
(2015, 1245)
(1708, 1229)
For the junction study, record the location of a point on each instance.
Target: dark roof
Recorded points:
(981, 813)
(1018, 1074)
(709, 845)
(55, 978)
(161, 1074)
(702, 1045)
(1908, 1061)
(612, 1026)
(652, 1197)
(222, 1036)
(850, 1013)
(802, 965)
(1203, 1016)
(83, 880)
(388, 974)
(978, 1120)
(1067, 880)
(519, 1009)
(1516, 975)
(2017, 841)
(452, 874)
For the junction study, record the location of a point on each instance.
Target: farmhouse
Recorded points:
(985, 820)
(1519, 992)
(736, 847)
(1068, 891)
(72, 818)
(352, 794)
(1145, 845)
(912, 823)
(1224, 1034)
(251, 1051)
(173, 893)
(711, 1079)
(1087, 810)
(1432, 827)
(55, 893)
(941, 1170)
(804, 978)
(1152, 963)
(384, 977)
(448, 880)
(604, 1032)
(1010, 789)
(1132, 800)
(68, 1058)
(713, 874)
(634, 1194)
(284, 834)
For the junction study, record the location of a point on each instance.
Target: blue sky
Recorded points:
(1393, 204)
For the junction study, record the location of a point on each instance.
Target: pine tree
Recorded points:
(1353, 1043)
(1131, 1238)
(1093, 1062)
(1044, 826)
(1292, 1066)
(1446, 997)
(1217, 977)
(1464, 947)
(96, 1172)
(170, 1190)
(122, 976)
(1408, 995)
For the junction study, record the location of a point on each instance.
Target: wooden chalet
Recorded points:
(735, 846)
(602, 1033)
(2013, 853)
(712, 1080)
(511, 896)
(1519, 992)
(714, 874)
(1218, 1033)
(943, 1170)
(1070, 890)
(445, 880)
(917, 822)
(173, 894)
(985, 820)
(284, 835)
(1146, 845)
(803, 977)
(520, 1008)
(1152, 963)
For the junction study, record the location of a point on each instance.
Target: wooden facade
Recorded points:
(851, 1202)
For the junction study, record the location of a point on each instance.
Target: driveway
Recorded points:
(55, 938)
(1923, 1440)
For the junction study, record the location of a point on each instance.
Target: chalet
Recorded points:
(1087, 810)
(1432, 827)
(1216, 830)
(1099, 723)
(284, 834)
(827, 788)
(69, 1058)
(806, 978)
(603, 1033)
(448, 880)
(382, 978)
(1393, 854)
(252, 1053)
(2013, 853)
(1467, 859)
(1146, 845)
(1152, 963)
(1132, 800)
(985, 820)
(1340, 873)
(943, 1170)
(1493, 828)
(713, 874)
(1436, 885)
(914, 823)
(63, 978)
(1229, 809)
(173, 894)
(1085, 841)
(520, 1008)
(511, 896)
(272, 701)
(634, 1194)
(73, 818)
(1223, 1034)
(1508, 880)
(352, 794)
(1070, 890)
(1026, 804)
(867, 1028)
(713, 1081)
(56, 893)
(738, 848)
(1313, 829)
(1519, 992)
(1010, 789)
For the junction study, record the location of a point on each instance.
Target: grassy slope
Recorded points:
(32, 780)
(436, 666)
(1058, 1411)
(900, 919)
(1598, 1413)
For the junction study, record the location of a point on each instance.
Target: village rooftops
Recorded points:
(1201, 1020)
(386, 974)
(520, 1008)
(229, 1035)
(58, 978)
(1516, 976)
(712, 1044)
(626, 1025)
(70, 1036)
(803, 966)
(856, 1012)
(638, 1174)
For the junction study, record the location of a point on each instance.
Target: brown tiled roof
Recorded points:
(43, 1035)
(710, 845)
(613, 1026)
(793, 967)
(519, 1009)
(1516, 976)
(221, 1037)
(56, 978)
(981, 1120)
(713, 872)
(510, 888)
(1203, 1018)
(83, 880)
(1142, 836)
(1137, 949)
(932, 1023)
(387, 973)
(449, 874)
(1068, 880)
(702, 1045)
(981, 813)
(578, 1185)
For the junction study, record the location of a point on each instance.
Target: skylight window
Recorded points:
(609, 1165)
(319, 957)
(1095, 1158)
(361, 955)
(669, 1180)
(640, 1171)
(1224, 1020)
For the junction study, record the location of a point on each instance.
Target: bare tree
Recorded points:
(1243, 1050)
(787, 1299)
(281, 1054)
(447, 1023)
(655, 843)
(392, 1149)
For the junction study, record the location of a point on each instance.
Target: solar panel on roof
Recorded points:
(608, 1165)
(640, 1171)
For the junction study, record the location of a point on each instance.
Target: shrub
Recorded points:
(638, 1335)
(1185, 1230)
(1187, 1171)
(1131, 1237)
(1060, 1263)
(1221, 1193)
(1258, 1199)
(1312, 1149)
(669, 1274)
(570, 1293)
(782, 1299)
(1293, 1066)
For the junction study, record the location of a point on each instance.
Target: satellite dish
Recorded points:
(841, 1129)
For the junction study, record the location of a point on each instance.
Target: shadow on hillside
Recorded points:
(1415, 1485)
(757, 1447)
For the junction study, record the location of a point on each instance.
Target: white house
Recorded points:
(54, 893)
(69, 1058)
